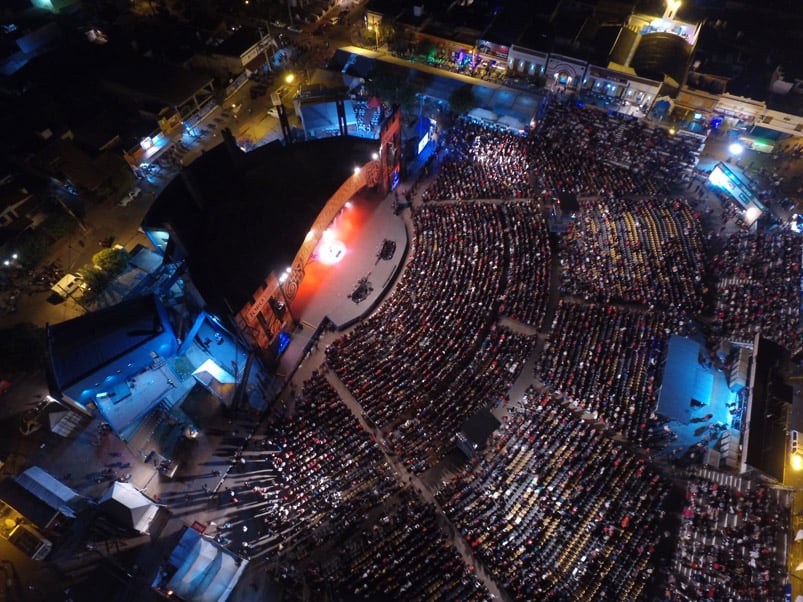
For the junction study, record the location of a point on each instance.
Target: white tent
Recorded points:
(205, 571)
(511, 122)
(50, 490)
(485, 115)
(128, 506)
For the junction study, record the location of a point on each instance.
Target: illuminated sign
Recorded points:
(762, 146)
(259, 303)
(423, 142)
(725, 178)
(494, 50)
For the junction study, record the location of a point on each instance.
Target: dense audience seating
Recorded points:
(481, 162)
(555, 508)
(605, 360)
(557, 511)
(433, 354)
(403, 556)
(329, 470)
(731, 545)
(587, 152)
(643, 251)
(528, 264)
(759, 283)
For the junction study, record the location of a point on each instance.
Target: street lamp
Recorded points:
(282, 280)
(375, 29)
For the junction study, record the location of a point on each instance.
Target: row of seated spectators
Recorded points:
(759, 283)
(731, 545)
(606, 360)
(403, 556)
(482, 381)
(328, 472)
(432, 355)
(481, 162)
(558, 511)
(585, 151)
(575, 150)
(645, 251)
(529, 261)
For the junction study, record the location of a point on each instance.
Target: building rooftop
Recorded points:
(238, 42)
(241, 216)
(80, 346)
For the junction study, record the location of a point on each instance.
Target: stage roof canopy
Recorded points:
(766, 444)
(241, 216)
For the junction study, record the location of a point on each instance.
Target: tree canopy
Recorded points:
(112, 260)
(391, 90)
(462, 99)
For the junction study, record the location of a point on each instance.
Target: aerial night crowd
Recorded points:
(568, 501)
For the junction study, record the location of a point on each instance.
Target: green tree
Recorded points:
(95, 279)
(112, 261)
(462, 99)
(392, 90)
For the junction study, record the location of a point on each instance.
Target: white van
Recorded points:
(67, 285)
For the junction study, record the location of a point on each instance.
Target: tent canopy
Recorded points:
(50, 490)
(205, 571)
(127, 506)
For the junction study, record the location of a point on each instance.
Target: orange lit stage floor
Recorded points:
(331, 285)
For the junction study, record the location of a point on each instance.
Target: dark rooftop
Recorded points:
(238, 42)
(156, 80)
(249, 219)
(766, 447)
(26, 503)
(79, 346)
(538, 35)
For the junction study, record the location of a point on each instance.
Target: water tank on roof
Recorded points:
(418, 10)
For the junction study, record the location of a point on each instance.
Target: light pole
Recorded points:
(264, 40)
(375, 29)
(282, 280)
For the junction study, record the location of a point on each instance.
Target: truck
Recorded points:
(67, 285)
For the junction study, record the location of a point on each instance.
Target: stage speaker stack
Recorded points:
(737, 373)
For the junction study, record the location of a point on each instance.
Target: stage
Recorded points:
(353, 267)
(694, 395)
